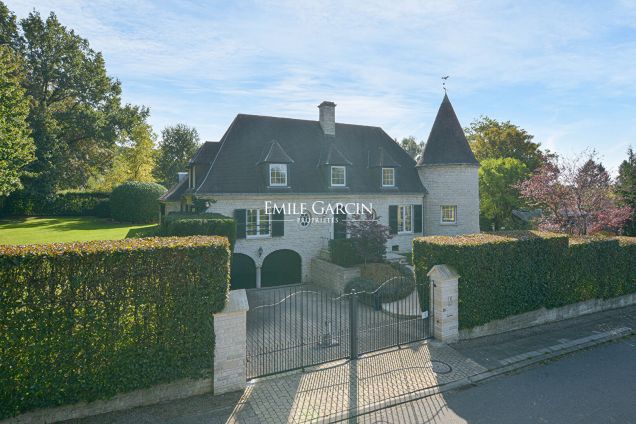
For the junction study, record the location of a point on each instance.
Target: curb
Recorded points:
(523, 361)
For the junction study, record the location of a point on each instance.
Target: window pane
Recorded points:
(388, 176)
(264, 222)
(449, 213)
(408, 221)
(337, 175)
(252, 229)
(400, 220)
(278, 174)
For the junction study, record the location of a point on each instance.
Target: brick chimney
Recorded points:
(328, 117)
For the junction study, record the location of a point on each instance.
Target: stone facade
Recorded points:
(454, 185)
(309, 241)
(331, 276)
(445, 302)
(230, 341)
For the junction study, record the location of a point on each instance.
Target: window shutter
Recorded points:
(240, 217)
(278, 224)
(393, 211)
(340, 227)
(417, 218)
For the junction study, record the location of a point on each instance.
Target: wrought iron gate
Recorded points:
(294, 327)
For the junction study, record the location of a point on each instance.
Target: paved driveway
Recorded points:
(295, 326)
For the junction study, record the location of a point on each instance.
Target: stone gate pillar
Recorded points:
(444, 301)
(230, 344)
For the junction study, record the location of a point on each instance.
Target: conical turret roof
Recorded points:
(447, 142)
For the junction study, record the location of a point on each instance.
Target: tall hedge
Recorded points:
(82, 321)
(626, 264)
(506, 274)
(184, 224)
(73, 203)
(137, 202)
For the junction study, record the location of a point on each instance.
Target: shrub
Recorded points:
(390, 282)
(199, 224)
(83, 321)
(504, 274)
(368, 237)
(136, 202)
(342, 252)
(72, 203)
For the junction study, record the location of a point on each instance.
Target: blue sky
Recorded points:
(565, 71)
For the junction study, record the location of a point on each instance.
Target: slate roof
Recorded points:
(176, 192)
(331, 154)
(206, 153)
(447, 142)
(382, 159)
(527, 215)
(235, 168)
(275, 154)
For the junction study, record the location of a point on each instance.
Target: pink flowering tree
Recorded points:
(575, 196)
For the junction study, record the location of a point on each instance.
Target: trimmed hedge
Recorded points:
(626, 264)
(84, 321)
(136, 202)
(504, 274)
(182, 224)
(82, 203)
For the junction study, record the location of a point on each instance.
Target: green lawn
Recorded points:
(61, 229)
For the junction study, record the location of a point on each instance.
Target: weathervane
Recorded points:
(444, 82)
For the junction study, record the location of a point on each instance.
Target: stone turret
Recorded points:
(449, 171)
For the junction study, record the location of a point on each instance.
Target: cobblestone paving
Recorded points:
(328, 392)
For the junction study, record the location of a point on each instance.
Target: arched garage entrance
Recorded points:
(243, 274)
(281, 267)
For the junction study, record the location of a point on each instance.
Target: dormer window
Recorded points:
(388, 177)
(278, 175)
(338, 176)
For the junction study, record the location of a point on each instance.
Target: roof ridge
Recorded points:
(304, 120)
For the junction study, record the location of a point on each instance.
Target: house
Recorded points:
(295, 165)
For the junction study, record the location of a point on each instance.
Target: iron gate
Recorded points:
(294, 327)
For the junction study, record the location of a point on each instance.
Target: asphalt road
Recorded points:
(593, 386)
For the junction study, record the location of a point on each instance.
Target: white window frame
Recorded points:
(284, 168)
(344, 174)
(258, 224)
(401, 221)
(392, 177)
(443, 221)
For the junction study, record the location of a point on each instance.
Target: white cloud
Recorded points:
(381, 62)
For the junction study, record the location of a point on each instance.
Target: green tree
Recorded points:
(491, 139)
(498, 194)
(141, 156)
(626, 187)
(16, 144)
(412, 147)
(76, 115)
(8, 27)
(134, 160)
(178, 145)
